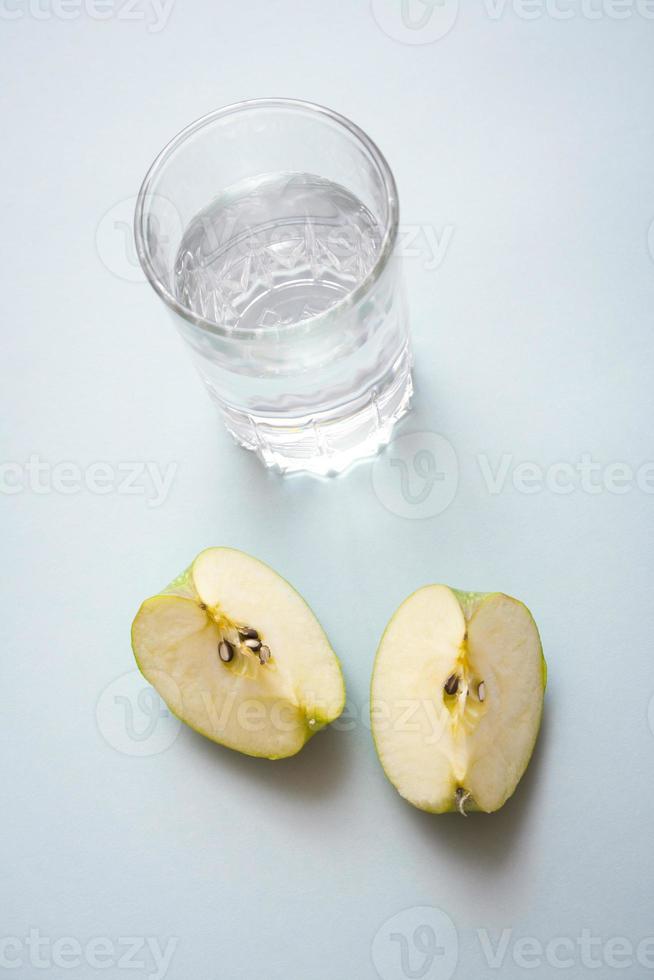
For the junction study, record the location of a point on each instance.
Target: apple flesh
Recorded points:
(457, 698)
(237, 654)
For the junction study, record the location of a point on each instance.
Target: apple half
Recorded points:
(457, 698)
(236, 654)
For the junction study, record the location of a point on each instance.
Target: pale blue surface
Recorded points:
(534, 141)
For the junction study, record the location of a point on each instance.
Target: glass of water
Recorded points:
(268, 228)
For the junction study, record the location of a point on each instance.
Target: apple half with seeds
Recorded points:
(236, 654)
(457, 698)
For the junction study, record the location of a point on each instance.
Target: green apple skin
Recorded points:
(183, 586)
(469, 603)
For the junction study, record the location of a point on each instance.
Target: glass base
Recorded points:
(327, 443)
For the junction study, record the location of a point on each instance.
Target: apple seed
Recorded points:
(225, 651)
(264, 654)
(452, 684)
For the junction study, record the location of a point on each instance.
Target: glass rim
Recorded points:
(345, 302)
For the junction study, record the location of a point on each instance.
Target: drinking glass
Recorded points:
(268, 228)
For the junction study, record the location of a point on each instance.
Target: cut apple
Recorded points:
(457, 698)
(237, 654)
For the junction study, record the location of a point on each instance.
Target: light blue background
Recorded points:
(533, 141)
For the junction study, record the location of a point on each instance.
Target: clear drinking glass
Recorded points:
(268, 229)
